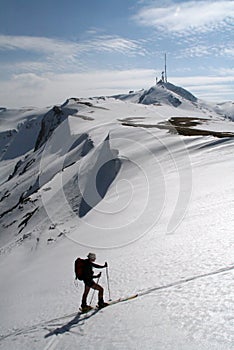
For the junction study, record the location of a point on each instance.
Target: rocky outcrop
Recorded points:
(51, 121)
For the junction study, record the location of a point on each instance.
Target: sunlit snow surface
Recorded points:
(161, 215)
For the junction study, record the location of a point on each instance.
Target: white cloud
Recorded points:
(216, 93)
(50, 46)
(225, 71)
(229, 51)
(49, 89)
(215, 88)
(200, 50)
(25, 66)
(52, 55)
(29, 80)
(35, 44)
(110, 44)
(188, 16)
(202, 79)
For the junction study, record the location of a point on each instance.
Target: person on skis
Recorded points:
(88, 277)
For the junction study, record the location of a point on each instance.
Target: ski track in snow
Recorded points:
(78, 319)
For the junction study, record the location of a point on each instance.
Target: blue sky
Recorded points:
(51, 50)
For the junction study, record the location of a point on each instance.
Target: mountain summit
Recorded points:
(161, 93)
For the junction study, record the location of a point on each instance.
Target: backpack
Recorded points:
(79, 268)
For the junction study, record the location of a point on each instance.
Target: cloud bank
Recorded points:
(49, 89)
(188, 16)
(55, 46)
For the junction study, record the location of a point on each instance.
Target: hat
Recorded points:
(91, 256)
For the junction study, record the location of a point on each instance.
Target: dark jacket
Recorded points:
(88, 270)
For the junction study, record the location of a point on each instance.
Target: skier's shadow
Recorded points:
(78, 319)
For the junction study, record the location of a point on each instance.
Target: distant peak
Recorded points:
(178, 90)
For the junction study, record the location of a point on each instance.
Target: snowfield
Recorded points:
(144, 180)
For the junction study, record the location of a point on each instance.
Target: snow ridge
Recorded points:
(99, 176)
(161, 93)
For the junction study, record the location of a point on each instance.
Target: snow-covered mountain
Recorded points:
(144, 179)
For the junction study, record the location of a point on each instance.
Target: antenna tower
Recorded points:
(165, 69)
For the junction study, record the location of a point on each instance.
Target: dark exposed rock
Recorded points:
(51, 120)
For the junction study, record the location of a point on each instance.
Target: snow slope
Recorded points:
(145, 181)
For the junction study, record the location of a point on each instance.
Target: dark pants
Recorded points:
(93, 285)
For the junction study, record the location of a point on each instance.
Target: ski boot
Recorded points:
(85, 308)
(102, 304)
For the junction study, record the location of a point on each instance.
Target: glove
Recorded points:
(106, 265)
(99, 275)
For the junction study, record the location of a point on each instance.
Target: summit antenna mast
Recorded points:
(165, 69)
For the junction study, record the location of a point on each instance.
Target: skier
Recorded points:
(88, 277)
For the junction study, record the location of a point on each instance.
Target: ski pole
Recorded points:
(108, 282)
(93, 292)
